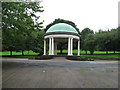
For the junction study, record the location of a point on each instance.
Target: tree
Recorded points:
(20, 24)
(38, 43)
(107, 40)
(89, 43)
(84, 34)
(113, 35)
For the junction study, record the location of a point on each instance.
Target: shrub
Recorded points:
(79, 58)
(43, 57)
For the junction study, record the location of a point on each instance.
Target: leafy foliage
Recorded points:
(89, 43)
(84, 34)
(20, 25)
(107, 40)
(102, 40)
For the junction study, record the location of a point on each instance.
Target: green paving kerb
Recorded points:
(62, 27)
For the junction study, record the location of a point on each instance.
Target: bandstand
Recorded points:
(61, 32)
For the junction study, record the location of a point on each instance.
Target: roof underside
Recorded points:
(62, 27)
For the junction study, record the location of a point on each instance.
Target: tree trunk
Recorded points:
(114, 51)
(106, 52)
(22, 52)
(86, 51)
(11, 53)
(60, 51)
(28, 52)
(91, 52)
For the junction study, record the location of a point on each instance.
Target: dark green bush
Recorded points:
(43, 57)
(79, 58)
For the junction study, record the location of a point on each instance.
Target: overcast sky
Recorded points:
(95, 14)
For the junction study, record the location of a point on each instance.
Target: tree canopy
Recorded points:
(20, 25)
(102, 40)
(84, 34)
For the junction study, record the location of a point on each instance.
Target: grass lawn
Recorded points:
(20, 53)
(95, 52)
(64, 51)
(104, 56)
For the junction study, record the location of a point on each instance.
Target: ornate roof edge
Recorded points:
(67, 33)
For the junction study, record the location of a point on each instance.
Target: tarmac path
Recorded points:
(59, 73)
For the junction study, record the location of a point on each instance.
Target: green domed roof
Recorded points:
(62, 27)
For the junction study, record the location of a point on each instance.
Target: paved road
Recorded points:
(59, 73)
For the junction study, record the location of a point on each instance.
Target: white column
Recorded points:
(44, 47)
(78, 47)
(50, 46)
(71, 46)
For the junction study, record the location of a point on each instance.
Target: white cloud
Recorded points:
(95, 14)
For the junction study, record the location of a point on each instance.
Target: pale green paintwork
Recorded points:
(62, 27)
